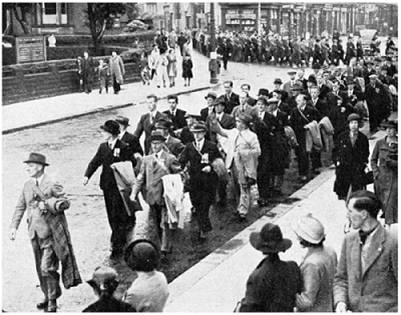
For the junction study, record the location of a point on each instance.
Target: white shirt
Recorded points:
(199, 144)
(39, 179)
(159, 155)
(112, 144)
(262, 115)
(275, 113)
(219, 116)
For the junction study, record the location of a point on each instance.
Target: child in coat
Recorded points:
(103, 76)
(187, 70)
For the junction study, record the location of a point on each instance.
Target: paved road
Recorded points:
(69, 145)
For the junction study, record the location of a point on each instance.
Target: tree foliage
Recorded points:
(20, 11)
(100, 16)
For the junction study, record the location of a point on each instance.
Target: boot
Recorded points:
(52, 306)
(42, 305)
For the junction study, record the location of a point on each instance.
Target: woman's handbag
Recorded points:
(368, 178)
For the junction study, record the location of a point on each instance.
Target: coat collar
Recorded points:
(44, 183)
(375, 248)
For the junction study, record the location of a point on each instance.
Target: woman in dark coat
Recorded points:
(187, 70)
(350, 156)
(274, 283)
(385, 168)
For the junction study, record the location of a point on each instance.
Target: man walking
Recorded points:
(367, 273)
(44, 201)
(112, 150)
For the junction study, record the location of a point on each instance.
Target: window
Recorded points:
(51, 12)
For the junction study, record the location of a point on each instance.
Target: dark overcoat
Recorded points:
(350, 163)
(272, 287)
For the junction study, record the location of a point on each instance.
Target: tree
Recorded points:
(20, 11)
(100, 16)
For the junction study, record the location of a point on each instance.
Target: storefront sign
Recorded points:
(30, 49)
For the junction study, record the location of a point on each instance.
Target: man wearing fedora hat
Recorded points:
(272, 286)
(112, 150)
(154, 166)
(207, 111)
(200, 155)
(129, 138)
(291, 83)
(44, 201)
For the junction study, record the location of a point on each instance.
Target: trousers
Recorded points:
(47, 264)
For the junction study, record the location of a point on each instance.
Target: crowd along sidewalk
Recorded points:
(19, 116)
(218, 282)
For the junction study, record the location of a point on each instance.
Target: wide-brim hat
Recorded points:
(142, 252)
(163, 124)
(278, 81)
(157, 136)
(36, 158)
(198, 127)
(270, 239)
(291, 72)
(309, 229)
(219, 101)
(111, 126)
(354, 116)
(389, 124)
(122, 120)
(272, 101)
(211, 94)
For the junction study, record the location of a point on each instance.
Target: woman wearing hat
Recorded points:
(112, 150)
(384, 163)
(274, 283)
(350, 156)
(318, 267)
(149, 291)
(104, 282)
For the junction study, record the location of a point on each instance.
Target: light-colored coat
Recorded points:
(318, 270)
(150, 175)
(117, 69)
(373, 288)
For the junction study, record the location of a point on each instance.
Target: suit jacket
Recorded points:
(200, 181)
(373, 288)
(272, 287)
(321, 106)
(150, 176)
(297, 121)
(287, 86)
(133, 142)
(227, 122)
(54, 224)
(231, 102)
(105, 157)
(145, 125)
(178, 120)
(204, 113)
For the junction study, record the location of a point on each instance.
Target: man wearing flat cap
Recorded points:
(112, 150)
(44, 201)
(289, 85)
(154, 166)
(200, 155)
(173, 145)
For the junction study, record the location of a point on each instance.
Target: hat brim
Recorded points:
(113, 132)
(37, 162)
(157, 138)
(197, 130)
(387, 125)
(258, 244)
(125, 123)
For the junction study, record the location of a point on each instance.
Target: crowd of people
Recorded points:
(277, 50)
(247, 141)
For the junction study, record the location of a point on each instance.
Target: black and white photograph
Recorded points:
(200, 157)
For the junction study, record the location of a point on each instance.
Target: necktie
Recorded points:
(198, 146)
(37, 182)
(364, 235)
(151, 119)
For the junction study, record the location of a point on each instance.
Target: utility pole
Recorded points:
(259, 19)
(212, 28)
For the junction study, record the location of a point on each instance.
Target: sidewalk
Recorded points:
(38, 112)
(218, 282)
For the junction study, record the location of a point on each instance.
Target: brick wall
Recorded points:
(19, 86)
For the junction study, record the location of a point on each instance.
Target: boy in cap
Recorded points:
(44, 201)
(173, 145)
(154, 166)
(112, 150)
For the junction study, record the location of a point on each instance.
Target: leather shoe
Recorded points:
(42, 305)
(52, 306)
